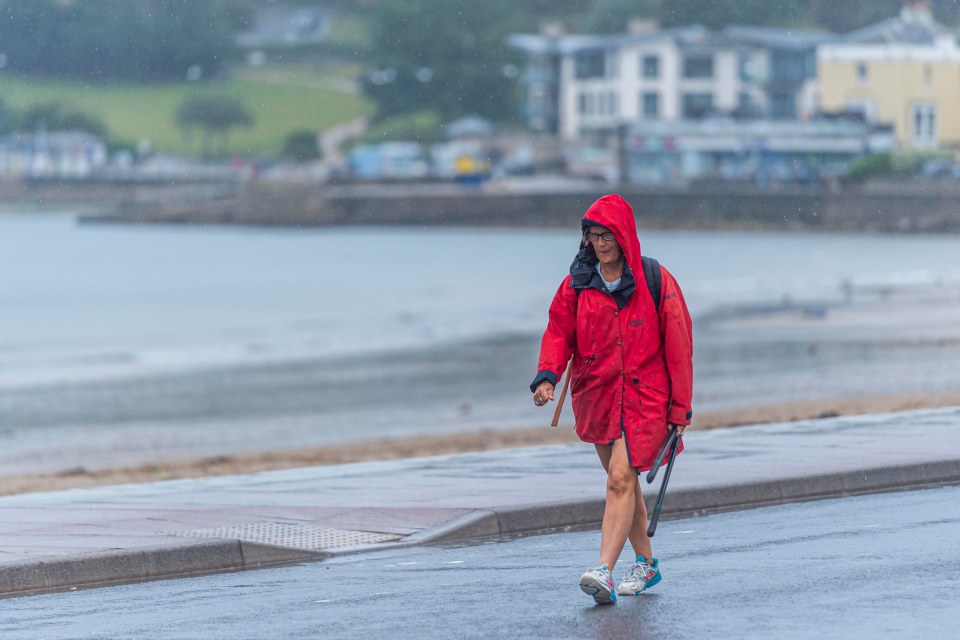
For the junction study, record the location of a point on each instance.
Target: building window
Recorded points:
(650, 105)
(924, 124)
(783, 105)
(697, 106)
(651, 67)
(614, 102)
(589, 64)
(861, 72)
(698, 67)
(582, 103)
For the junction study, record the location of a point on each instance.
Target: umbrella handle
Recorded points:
(659, 461)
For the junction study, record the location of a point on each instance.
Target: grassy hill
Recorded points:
(280, 98)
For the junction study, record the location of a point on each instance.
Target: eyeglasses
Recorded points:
(606, 236)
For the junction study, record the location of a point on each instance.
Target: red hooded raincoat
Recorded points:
(632, 367)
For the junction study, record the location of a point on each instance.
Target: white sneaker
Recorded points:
(641, 577)
(599, 583)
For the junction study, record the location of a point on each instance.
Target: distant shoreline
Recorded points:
(874, 208)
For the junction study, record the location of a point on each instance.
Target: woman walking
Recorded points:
(632, 377)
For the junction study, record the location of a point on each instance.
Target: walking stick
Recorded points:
(663, 487)
(563, 394)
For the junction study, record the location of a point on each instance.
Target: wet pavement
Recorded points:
(874, 566)
(64, 539)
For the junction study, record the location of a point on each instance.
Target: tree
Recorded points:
(846, 16)
(717, 14)
(301, 146)
(53, 117)
(445, 56)
(214, 115)
(613, 16)
(120, 39)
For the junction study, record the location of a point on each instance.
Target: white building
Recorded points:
(585, 87)
(48, 155)
(903, 71)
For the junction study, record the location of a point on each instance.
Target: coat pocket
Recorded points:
(579, 384)
(654, 394)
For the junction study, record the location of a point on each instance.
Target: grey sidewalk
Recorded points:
(133, 532)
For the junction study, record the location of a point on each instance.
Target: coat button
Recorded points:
(619, 404)
(619, 343)
(616, 313)
(636, 381)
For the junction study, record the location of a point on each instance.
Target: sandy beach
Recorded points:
(483, 440)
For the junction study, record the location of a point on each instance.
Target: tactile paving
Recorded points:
(290, 535)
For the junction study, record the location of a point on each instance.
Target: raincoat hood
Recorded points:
(613, 212)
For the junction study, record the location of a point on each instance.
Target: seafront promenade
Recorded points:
(108, 535)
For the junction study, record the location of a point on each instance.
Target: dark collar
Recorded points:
(584, 275)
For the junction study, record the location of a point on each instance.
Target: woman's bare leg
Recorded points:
(639, 539)
(622, 517)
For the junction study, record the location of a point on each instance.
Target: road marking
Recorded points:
(402, 563)
(455, 562)
(685, 531)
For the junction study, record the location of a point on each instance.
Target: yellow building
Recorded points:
(904, 71)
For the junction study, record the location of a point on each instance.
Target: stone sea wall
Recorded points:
(902, 208)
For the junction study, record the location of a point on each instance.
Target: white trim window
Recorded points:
(924, 124)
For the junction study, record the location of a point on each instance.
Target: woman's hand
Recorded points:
(543, 394)
(679, 427)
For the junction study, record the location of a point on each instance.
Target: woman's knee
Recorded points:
(622, 481)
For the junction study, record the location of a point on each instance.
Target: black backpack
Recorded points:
(654, 278)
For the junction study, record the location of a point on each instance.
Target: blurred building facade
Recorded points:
(756, 151)
(671, 105)
(51, 155)
(581, 86)
(904, 71)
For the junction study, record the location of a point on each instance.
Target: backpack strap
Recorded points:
(654, 278)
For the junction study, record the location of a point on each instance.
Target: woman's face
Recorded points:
(608, 251)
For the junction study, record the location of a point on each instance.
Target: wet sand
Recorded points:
(879, 352)
(483, 440)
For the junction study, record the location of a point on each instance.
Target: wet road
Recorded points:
(864, 567)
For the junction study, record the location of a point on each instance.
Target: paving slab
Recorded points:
(105, 535)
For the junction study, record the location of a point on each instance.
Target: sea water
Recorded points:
(171, 341)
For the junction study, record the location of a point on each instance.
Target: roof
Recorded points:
(469, 127)
(915, 25)
(695, 36)
(777, 38)
(534, 43)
